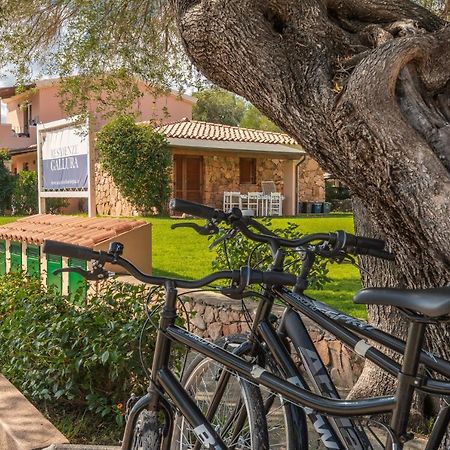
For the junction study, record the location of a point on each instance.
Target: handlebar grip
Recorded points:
(196, 209)
(283, 278)
(370, 243)
(351, 242)
(69, 250)
(382, 254)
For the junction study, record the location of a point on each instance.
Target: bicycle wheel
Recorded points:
(147, 432)
(270, 413)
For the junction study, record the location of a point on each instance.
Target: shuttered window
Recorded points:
(247, 170)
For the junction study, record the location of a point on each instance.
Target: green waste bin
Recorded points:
(77, 283)
(33, 260)
(53, 263)
(15, 251)
(2, 257)
(326, 207)
(317, 208)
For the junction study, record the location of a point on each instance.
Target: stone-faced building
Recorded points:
(208, 159)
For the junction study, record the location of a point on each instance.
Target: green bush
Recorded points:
(236, 253)
(25, 193)
(139, 162)
(56, 352)
(6, 183)
(25, 196)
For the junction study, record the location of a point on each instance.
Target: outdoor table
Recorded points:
(262, 203)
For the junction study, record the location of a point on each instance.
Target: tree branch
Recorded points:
(382, 11)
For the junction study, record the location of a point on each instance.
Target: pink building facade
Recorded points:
(41, 104)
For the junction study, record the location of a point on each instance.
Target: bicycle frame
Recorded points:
(318, 406)
(340, 325)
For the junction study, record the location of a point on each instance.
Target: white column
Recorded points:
(290, 196)
(8, 255)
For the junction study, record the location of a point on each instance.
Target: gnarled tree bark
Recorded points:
(364, 85)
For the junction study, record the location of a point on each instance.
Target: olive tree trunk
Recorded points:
(364, 86)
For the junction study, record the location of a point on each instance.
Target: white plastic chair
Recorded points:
(264, 205)
(268, 187)
(253, 202)
(231, 200)
(276, 204)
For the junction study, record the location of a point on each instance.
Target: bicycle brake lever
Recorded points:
(96, 274)
(226, 236)
(206, 230)
(236, 290)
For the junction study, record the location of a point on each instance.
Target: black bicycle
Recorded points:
(174, 414)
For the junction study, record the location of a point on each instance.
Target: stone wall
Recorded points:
(214, 315)
(110, 202)
(221, 174)
(311, 181)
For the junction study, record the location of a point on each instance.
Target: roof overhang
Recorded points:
(22, 151)
(11, 91)
(255, 148)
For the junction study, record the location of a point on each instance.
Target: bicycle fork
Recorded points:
(162, 380)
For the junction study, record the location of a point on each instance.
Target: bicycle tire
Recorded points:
(147, 432)
(284, 428)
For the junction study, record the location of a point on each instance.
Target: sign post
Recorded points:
(66, 168)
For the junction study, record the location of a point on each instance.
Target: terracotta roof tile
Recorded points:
(194, 129)
(70, 229)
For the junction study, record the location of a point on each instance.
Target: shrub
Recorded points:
(238, 251)
(25, 193)
(25, 196)
(139, 162)
(57, 352)
(6, 183)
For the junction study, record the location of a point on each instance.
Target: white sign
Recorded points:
(65, 159)
(64, 162)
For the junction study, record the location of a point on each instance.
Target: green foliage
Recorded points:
(6, 183)
(138, 160)
(129, 41)
(253, 118)
(238, 251)
(335, 193)
(24, 199)
(58, 353)
(25, 193)
(55, 205)
(217, 105)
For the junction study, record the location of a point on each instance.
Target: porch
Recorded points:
(204, 176)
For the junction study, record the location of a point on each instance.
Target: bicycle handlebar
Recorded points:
(70, 250)
(340, 240)
(196, 209)
(251, 276)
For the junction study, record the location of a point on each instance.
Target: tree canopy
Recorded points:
(220, 106)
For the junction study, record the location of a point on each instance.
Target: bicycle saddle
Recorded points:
(429, 302)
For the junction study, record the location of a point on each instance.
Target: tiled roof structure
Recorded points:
(194, 129)
(71, 229)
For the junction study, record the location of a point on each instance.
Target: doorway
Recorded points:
(189, 177)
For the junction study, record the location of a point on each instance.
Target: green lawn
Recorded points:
(183, 253)
(4, 220)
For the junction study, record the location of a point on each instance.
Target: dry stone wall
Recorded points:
(213, 316)
(312, 184)
(110, 202)
(221, 174)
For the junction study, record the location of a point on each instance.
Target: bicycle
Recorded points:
(289, 383)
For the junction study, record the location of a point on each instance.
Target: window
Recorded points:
(247, 170)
